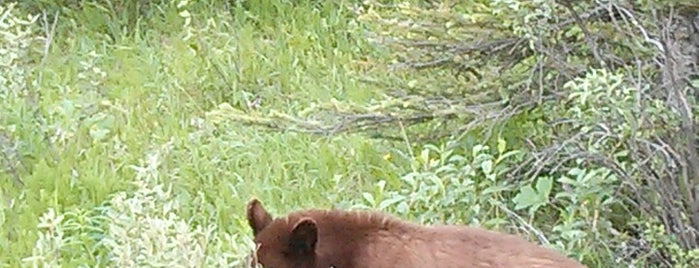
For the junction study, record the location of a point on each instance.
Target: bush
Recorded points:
(599, 99)
(141, 227)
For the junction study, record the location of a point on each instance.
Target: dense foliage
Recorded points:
(132, 132)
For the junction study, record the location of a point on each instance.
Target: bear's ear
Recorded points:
(258, 218)
(304, 237)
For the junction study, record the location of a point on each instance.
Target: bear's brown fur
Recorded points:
(343, 239)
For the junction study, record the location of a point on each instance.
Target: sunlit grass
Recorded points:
(104, 103)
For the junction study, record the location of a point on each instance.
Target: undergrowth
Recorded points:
(126, 140)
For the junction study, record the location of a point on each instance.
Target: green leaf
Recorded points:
(496, 189)
(369, 198)
(391, 201)
(567, 180)
(487, 166)
(98, 134)
(526, 197)
(530, 198)
(502, 145)
(477, 149)
(543, 187)
(507, 155)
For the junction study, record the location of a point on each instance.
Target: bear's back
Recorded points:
(357, 239)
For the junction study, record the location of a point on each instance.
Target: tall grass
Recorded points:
(121, 166)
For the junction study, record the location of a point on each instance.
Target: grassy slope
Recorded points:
(147, 90)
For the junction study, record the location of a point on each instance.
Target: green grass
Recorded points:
(114, 133)
(102, 105)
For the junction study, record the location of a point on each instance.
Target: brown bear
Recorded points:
(361, 239)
